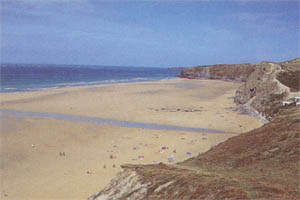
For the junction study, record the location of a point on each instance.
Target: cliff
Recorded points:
(269, 83)
(260, 164)
(265, 83)
(236, 72)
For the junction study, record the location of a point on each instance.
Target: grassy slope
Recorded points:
(264, 161)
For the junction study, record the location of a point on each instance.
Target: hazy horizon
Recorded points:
(81, 65)
(148, 33)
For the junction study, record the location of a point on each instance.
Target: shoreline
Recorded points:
(72, 88)
(85, 84)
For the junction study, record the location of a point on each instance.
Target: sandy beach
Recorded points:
(44, 157)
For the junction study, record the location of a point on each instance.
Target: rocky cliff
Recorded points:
(266, 83)
(237, 72)
(269, 83)
(260, 164)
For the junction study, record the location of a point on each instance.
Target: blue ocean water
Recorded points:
(30, 77)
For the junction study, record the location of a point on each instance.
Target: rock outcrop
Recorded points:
(260, 164)
(169, 182)
(269, 83)
(236, 72)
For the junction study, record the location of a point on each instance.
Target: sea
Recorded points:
(32, 77)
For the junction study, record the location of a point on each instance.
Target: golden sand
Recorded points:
(46, 158)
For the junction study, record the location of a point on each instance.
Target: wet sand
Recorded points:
(50, 158)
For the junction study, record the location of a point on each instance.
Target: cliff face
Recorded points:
(236, 72)
(260, 164)
(266, 83)
(269, 83)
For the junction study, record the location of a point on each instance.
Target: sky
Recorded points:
(148, 33)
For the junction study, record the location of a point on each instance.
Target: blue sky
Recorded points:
(148, 33)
